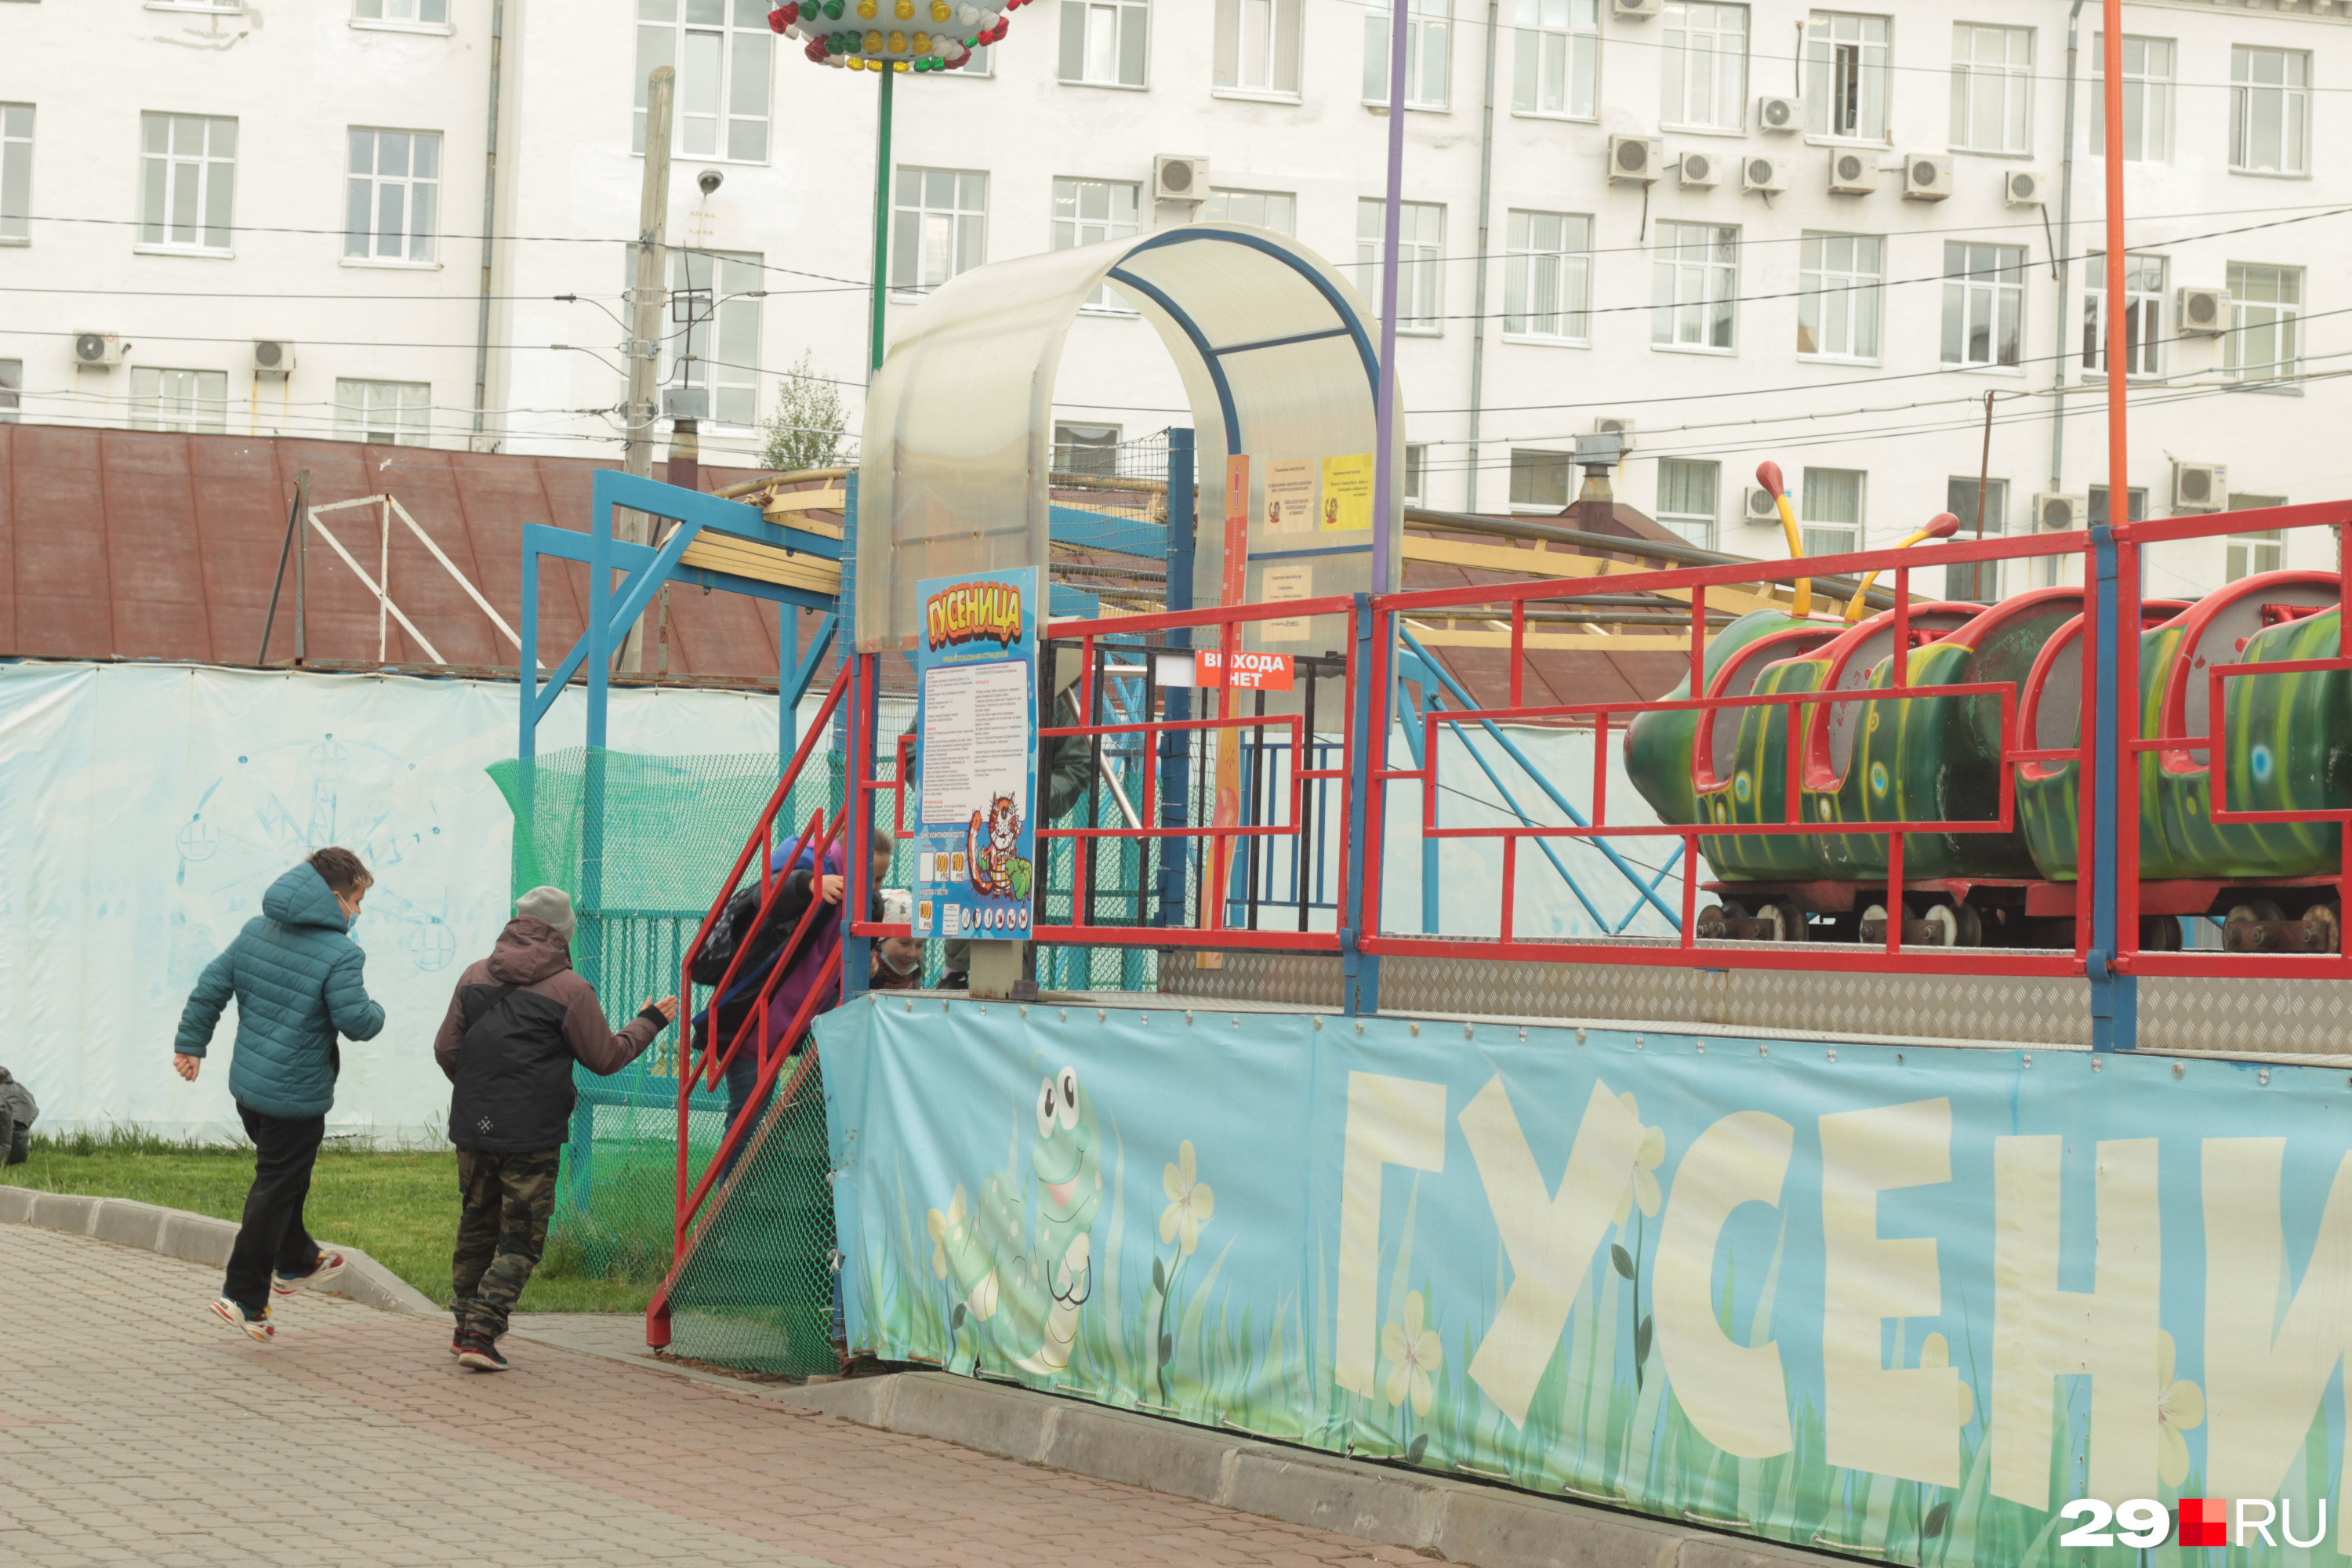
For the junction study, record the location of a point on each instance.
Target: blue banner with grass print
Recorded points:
(1909, 1302)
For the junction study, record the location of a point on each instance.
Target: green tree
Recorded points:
(808, 428)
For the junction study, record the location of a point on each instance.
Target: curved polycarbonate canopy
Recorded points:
(1278, 360)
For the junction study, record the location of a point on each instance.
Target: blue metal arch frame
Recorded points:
(1322, 284)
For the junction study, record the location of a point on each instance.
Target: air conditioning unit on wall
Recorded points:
(2060, 514)
(2200, 486)
(1775, 113)
(1179, 178)
(1851, 174)
(1769, 175)
(272, 356)
(99, 350)
(1635, 158)
(1761, 505)
(2201, 312)
(1701, 168)
(1926, 178)
(1636, 8)
(2025, 188)
(1614, 425)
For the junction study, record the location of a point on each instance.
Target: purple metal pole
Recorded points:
(1384, 457)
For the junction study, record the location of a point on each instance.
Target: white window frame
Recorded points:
(1842, 53)
(1711, 58)
(1548, 277)
(737, 50)
(2263, 549)
(1541, 459)
(1106, 43)
(1695, 526)
(11, 390)
(414, 245)
(17, 173)
(1818, 494)
(717, 350)
(918, 224)
(1694, 288)
(1428, 54)
(1077, 227)
(1416, 472)
(2147, 98)
(402, 15)
(203, 182)
(212, 7)
(360, 401)
(1258, 49)
(1990, 286)
(2008, 83)
(2294, 95)
(1229, 205)
(1843, 306)
(2143, 314)
(1064, 446)
(162, 398)
(1555, 60)
(2279, 320)
(1420, 265)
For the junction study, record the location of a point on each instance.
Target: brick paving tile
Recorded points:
(156, 1437)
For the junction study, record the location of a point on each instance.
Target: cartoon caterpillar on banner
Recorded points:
(996, 871)
(1031, 1291)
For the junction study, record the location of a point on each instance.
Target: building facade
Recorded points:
(1833, 238)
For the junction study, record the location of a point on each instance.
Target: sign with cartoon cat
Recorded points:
(975, 844)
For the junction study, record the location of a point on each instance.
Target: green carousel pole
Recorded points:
(880, 309)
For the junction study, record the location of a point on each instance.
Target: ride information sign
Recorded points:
(976, 673)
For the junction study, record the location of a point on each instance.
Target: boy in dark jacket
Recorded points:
(296, 977)
(519, 1020)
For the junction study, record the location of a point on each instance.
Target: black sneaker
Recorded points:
(480, 1354)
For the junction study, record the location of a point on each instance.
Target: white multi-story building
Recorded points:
(1740, 231)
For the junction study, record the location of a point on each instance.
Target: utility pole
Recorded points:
(645, 296)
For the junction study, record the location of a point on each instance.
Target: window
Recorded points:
(178, 399)
(2143, 315)
(1984, 304)
(2147, 98)
(1705, 65)
(941, 226)
(2264, 341)
(16, 174)
(1538, 480)
(2263, 551)
(1257, 46)
(1832, 513)
(12, 389)
(1687, 489)
(187, 176)
(1276, 210)
(1694, 286)
(1843, 278)
(1416, 465)
(392, 195)
(1845, 75)
(431, 12)
(1556, 62)
(1975, 582)
(1992, 89)
(1428, 53)
(1547, 275)
(2270, 111)
(1421, 267)
(385, 413)
(1089, 449)
(1087, 212)
(722, 51)
(1103, 41)
(713, 342)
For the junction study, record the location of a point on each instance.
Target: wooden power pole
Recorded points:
(645, 296)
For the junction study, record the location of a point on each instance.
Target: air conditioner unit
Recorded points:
(1851, 174)
(1776, 113)
(1635, 8)
(1926, 178)
(1762, 506)
(2025, 188)
(2060, 514)
(1635, 158)
(272, 356)
(1701, 168)
(1612, 425)
(99, 350)
(1176, 178)
(2200, 486)
(2201, 312)
(1769, 175)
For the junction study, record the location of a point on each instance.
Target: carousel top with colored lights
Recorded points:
(893, 34)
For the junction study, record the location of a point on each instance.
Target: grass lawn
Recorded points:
(400, 1207)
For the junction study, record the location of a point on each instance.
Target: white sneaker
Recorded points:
(232, 1313)
(325, 1272)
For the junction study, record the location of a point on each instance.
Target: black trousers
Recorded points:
(272, 1236)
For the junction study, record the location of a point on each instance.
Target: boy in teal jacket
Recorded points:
(296, 974)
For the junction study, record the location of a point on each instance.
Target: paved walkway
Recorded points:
(135, 1429)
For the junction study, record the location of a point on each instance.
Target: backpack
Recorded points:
(718, 950)
(17, 1114)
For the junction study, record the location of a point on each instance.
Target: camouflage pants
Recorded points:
(501, 1231)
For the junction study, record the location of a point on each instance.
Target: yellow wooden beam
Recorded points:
(762, 563)
(807, 500)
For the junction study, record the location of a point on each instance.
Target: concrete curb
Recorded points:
(195, 1238)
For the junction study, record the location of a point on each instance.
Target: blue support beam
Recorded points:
(2114, 998)
(1175, 749)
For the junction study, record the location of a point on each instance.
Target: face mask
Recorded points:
(897, 968)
